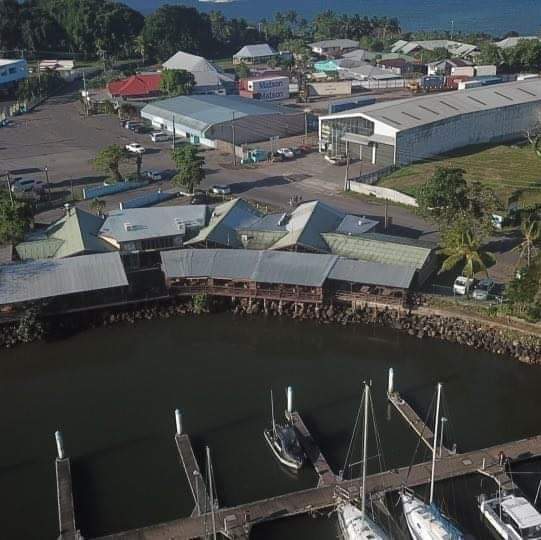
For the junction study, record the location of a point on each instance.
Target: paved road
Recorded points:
(58, 136)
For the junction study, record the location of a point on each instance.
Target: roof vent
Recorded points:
(129, 227)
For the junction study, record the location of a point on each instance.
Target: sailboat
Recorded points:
(354, 522)
(426, 521)
(284, 443)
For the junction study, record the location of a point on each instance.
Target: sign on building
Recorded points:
(269, 89)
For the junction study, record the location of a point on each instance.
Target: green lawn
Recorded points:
(508, 170)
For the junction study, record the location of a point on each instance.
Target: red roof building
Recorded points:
(143, 85)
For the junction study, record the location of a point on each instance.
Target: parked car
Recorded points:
(159, 136)
(135, 148)
(24, 185)
(128, 124)
(255, 156)
(483, 289)
(336, 160)
(199, 197)
(277, 158)
(220, 189)
(286, 152)
(462, 285)
(155, 176)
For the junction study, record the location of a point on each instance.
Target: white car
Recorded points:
(135, 148)
(220, 189)
(286, 152)
(483, 289)
(155, 176)
(462, 285)
(24, 185)
(159, 136)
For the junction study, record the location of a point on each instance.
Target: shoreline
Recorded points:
(421, 322)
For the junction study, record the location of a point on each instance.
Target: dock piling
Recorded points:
(178, 420)
(390, 382)
(289, 400)
(59, 444)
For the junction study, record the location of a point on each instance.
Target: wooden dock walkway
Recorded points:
(313, 452)
(66, 510)
(414, 420)
(235, 522)
(193, 474)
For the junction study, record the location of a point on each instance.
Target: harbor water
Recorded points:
(112, 392)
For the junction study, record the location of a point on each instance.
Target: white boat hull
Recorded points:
(290, 464)
(355, 527)
(424, 523)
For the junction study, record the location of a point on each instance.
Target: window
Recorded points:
(157, 243)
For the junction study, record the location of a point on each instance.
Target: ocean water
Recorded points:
(492, 16)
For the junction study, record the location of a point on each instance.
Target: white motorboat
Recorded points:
(354, 522)
(512, 517)
(426, 521)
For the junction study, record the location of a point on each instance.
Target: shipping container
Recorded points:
(473, 83)
(350, 103)
(484, 71)
(432, 82)
(466, 71)
(526, 76)
(331, 88)
(265, 89)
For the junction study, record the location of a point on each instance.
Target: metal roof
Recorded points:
(378, 248)
(74, 233)
(366, 71)
(510, 42)
(37, 280)
(205, 73)
(143, 223)
(370, 273)
(355, 225)
(202, 112)
(285, 267)
(454, 47)
(334, 43)
(419, 111)
(255, 51)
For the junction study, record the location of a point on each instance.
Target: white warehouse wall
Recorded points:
(490, 126)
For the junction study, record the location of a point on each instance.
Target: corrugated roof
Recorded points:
(255, 51)
(334, 43)
(378, 248)
(137, 85)
(37, 280)
(201, 112)
(143, 223)
(510, 42)
(205, 73)
(277, 267)
(74, 233)
(369, 273)
(419, 111)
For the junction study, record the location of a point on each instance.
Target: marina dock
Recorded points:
(313, 452)
(236, 522)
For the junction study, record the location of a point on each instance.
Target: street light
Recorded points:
(307, 110)
(46, 169)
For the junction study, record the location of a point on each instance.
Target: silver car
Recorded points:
(483, 289)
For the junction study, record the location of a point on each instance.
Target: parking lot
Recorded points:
(58, 136)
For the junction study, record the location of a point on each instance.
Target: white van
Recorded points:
(159, 136)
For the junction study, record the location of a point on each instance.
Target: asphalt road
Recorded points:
(58, 136)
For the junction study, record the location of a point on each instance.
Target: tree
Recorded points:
(15, 219)
(444, 195)
(177, 82)
(462, 247)
(530, 238)
(189, 163)
(108, 160)
(98, 206)
(490, 54)
(242, 71)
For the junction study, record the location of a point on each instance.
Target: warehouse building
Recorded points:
(211, 119)
(12, 71)
(403, 131)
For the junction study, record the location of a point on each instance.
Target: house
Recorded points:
(446, 66)
(208, 78)
(12, 71)
(255, 54)
(400, 66)
(510, 42)
(455, 48)
(333, 47)
(141, 86)
(75, 233)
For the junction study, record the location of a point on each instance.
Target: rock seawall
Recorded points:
(476, 335)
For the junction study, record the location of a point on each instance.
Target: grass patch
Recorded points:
(508, 170)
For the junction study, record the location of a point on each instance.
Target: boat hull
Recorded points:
(289, 463)
(354, 527)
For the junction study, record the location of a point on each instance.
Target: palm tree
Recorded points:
(530, 233)
(98, 205)
(462, 247)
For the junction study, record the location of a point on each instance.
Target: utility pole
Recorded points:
(174, 134)
(9, 188)
(386, 214)
(46, 170)
(233, 142)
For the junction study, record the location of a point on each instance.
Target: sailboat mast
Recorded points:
(211, 494)
(365, 440)
(272, 412)
(435, 443)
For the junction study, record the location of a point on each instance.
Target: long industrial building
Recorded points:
(407, 130)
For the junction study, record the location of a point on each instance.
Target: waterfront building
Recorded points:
(333, 47)
(12, 71)
(255, 54)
